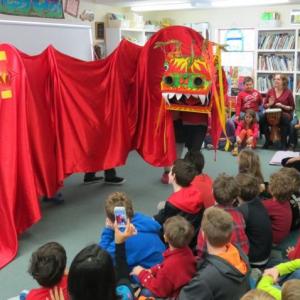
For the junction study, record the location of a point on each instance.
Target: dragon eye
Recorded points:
(198, 81)
(168, 80)
(166, 66)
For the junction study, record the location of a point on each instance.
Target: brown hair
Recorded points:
(294, 177)
(196, 158)
(291, 290)
(252, 114)
(249, 163)
(225, 189)
(285, 80)
(257, 295)
(281, 186)
(248, 79)
(184, 172)
(248, 186)
(217, 225)
(48, 263)
(118, 199)
(178, 231)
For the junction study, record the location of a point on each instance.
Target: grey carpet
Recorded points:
(78, 221)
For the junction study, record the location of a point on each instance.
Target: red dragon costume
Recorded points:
(60, 115)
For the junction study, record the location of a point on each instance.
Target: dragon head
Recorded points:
(186, 82)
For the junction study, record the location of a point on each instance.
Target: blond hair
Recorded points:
(257, 295)
(291, 290)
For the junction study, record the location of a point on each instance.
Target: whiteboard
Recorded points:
(34, 37)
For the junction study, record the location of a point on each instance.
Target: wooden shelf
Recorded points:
(274, 72)
(276, 50)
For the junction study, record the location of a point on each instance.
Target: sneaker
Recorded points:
(165, 178)
(115, 180)
(94, 179)
(235, 151)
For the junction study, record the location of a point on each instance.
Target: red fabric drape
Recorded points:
(68, 116)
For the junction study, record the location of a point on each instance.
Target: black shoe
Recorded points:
(266, 145)
(57, 199)
(94, 179)
(115, 180)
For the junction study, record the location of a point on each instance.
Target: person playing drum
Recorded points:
(279, 97)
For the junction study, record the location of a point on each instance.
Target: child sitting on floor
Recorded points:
(271, 283)
(247, 132)
(186, 199)
(279, 208)
(258, 224)
(47, 267)
(179, 266)
(226, 191)
(146, 247)
(201, 181)
(224, 272)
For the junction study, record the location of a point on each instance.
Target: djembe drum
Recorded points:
(273, 116)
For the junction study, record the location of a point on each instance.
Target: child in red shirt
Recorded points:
(179, 265)
(249, 98)
(226, 191)
(47, 267)
(247, 130)
(186, 199)
(201, 181)
(279, 208)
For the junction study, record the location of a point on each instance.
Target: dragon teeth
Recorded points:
(171, 95)
(165, 96)
(178, 96)
(187, 96)
(202, 99)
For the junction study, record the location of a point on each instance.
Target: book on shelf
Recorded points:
(276, 41)
(275, 62)
(265, 82)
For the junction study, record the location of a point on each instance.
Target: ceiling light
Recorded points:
(231, 3)
(162, 6)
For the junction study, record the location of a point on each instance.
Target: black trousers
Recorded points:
(284, 125)
(191, 135)
(295, 164)
(108, 174)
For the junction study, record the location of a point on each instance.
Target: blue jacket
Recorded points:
(144, 249)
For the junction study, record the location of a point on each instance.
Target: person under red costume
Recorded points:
(294, 252)
(249, 98)
(247, 130)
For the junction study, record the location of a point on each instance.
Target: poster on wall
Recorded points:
(72, 7)
(44, 9)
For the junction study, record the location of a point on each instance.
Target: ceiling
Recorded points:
(199, 3)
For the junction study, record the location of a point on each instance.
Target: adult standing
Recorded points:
(279, 97)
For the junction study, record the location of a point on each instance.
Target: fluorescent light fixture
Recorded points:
(231, 3)
(161, 5)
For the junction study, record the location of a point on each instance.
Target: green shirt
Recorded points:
(267, 282)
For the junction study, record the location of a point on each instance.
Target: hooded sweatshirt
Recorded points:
(144, 249)
(219, 277)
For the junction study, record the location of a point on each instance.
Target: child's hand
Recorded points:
(293, 159)
(56, 294)
(273, 272)
(237, 118)
(109, 223)
(289, 250)
(137, 270)
(121, 237)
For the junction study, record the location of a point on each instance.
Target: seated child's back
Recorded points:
(279, 207)
(258, 225)
(201, 181)
(143, 249)
(179, 265)
(47, 267)
(226, 191)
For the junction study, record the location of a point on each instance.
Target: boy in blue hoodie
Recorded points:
(143, 249)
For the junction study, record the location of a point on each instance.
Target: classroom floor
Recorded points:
(78, 221)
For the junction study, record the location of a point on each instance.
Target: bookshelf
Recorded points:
(278, 51)
(113, 36)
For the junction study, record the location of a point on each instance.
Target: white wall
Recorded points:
(224, 17)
